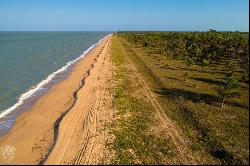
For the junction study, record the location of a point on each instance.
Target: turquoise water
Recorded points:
(27, 58)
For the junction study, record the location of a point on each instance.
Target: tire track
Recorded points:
(87, 119)
(179, 142)
(59, 120)
(85, 153)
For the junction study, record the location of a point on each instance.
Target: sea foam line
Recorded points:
(40, 85)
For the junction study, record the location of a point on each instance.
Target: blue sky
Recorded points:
(114, 15)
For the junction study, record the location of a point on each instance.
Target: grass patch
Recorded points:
(134, 142)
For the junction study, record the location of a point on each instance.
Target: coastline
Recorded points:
(27, 99)
(33, 132)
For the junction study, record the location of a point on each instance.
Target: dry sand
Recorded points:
(80, 136)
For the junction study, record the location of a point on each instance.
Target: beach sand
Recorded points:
(33, 134)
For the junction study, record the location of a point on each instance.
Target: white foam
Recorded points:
(40, 85)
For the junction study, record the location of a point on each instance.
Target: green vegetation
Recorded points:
(134, 142)
(193, 75)
(226, 91)
(201, 47)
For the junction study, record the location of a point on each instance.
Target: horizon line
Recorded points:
(120, 31)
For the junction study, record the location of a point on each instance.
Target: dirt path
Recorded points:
(181, 144)
(82, 134)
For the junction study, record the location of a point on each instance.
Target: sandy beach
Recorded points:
(44, 134)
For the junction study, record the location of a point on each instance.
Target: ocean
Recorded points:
(30, 60)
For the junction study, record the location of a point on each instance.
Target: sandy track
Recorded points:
(80, 139)
(180, 143)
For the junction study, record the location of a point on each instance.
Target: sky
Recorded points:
(122, 15)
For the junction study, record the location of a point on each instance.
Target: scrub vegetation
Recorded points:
(201, 81)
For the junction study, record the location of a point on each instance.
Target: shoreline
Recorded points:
(27, 99)
(32, 134)
(58, 121)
